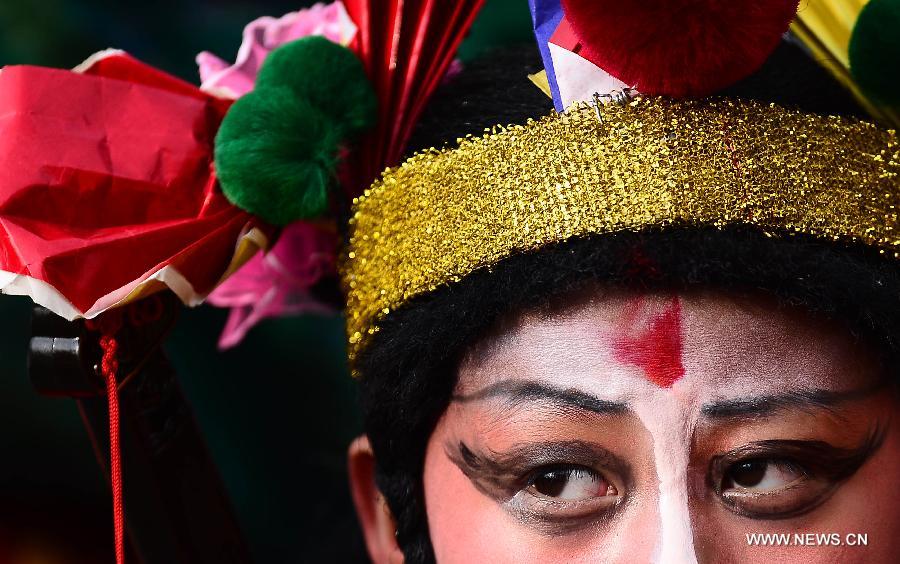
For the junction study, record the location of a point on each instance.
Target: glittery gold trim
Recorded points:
(443, 214)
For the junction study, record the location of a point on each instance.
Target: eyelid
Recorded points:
(830, 462)
(558, 516)
(783, 466)
(543, 470)
(823, 467)
(754, 451)
(501, 475)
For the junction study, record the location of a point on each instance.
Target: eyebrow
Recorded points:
(762, 406)
(518, 392)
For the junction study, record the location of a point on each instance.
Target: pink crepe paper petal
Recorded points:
(278, 282)
(210, 64)
(274, 303)
(263, 35)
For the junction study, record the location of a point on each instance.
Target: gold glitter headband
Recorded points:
(651, 163)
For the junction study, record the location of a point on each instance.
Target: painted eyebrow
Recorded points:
(802, 400)
(519, 392)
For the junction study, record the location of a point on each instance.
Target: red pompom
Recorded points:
(679, 48)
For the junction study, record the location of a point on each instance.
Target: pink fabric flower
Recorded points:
(277, 282)
(263, 35)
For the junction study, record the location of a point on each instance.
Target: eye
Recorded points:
(771, 488)
(570, 484)
(567, 497)
(761, 475)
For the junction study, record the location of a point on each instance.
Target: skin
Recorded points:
(647, 392)
(657, 398)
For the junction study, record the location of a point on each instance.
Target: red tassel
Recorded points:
(679, 48)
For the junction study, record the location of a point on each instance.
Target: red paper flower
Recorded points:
(107, 188)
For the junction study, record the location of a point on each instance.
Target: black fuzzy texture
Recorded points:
(409, 370)
(496, 90)
(491, 91)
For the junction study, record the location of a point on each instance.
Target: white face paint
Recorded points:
(648, 381)
(671, 418)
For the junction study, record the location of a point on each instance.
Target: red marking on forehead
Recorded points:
(657, 349)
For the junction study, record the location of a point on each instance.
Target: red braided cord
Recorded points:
(109, 324)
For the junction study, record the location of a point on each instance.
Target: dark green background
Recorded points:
(277, 412)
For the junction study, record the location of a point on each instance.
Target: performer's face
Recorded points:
(666, 428)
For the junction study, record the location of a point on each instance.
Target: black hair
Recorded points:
(408, 371)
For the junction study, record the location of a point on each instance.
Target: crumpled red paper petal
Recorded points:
(107, 183)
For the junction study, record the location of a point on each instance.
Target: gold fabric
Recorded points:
(655, 162)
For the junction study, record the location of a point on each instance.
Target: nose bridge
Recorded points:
(671, 424)
(675, 537)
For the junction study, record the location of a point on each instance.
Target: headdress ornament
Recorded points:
(119, 180)
(649, 163)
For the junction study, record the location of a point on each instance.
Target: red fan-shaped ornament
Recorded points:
(406, 47)
(679, 48)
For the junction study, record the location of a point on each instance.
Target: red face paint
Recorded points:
(657, 349)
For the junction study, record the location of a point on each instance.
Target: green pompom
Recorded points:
(275, 155)
(875, 51)
(329, 75)
(278, 146)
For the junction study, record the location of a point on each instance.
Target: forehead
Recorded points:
(722, 343)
